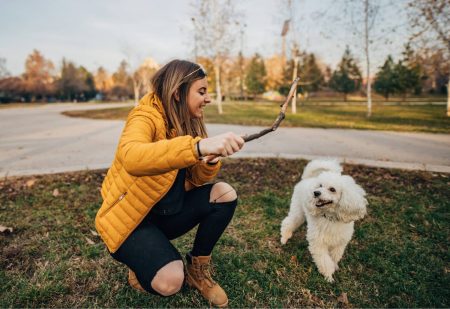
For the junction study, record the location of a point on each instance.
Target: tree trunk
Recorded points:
(448, 97)
(294, 76)
(218, 89)
(367, 43)
(136, 87)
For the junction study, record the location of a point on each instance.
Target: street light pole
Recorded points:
(195, 40)
(241, 60)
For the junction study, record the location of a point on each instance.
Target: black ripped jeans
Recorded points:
(148, 248)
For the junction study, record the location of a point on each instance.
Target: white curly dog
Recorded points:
(330, 202)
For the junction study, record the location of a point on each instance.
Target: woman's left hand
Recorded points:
(211, 159)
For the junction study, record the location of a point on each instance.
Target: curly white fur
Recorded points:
(330, 202)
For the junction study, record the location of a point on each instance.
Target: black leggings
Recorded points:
(148, 248)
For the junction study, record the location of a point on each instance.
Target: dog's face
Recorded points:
(326, 191)
(337, 196)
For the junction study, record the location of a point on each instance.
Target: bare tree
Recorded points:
(215, 22)
(364, 18)
(369, 23)
(141, 77)
(431, 19)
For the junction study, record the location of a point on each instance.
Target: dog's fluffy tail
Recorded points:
(315, 167)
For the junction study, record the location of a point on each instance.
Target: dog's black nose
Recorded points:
(316, 193)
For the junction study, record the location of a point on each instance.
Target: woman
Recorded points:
(155, 190)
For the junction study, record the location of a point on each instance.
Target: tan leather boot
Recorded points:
(132, 280)
(198, 275)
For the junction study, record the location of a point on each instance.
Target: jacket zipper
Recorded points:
(113, 204)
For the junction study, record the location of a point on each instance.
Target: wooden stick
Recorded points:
(281, 115)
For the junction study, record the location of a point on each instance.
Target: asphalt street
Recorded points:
(40, 140)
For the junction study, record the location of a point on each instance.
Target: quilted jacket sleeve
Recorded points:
(140, 152)
(201, 173)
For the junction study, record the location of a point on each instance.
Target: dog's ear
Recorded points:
(352, 205)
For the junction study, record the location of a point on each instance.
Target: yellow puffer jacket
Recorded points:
(145, 166)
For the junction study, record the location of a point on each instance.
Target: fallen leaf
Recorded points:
(343, 298)
(30, 183)
(94, 233)
(294, 260)
(89, 241)
(55, 192)
(6, 230)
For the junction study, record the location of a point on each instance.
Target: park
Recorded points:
(381, 110)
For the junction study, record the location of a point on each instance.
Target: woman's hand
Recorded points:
(222, 145)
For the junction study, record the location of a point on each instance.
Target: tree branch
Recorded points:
(281, 115)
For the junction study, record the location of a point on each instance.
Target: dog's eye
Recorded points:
(320, 186)
(332, 189)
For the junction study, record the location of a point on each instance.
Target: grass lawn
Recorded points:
(415, 118)
(399, 256)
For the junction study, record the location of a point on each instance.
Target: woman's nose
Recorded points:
(207, 98)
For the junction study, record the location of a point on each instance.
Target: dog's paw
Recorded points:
(329, 279)
(285, 237)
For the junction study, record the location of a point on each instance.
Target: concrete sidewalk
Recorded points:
(40, 140)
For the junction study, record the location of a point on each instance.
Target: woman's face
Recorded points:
(198, 97)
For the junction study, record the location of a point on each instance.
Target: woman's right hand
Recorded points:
(221, 145)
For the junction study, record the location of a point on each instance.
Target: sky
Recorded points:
(97, 33)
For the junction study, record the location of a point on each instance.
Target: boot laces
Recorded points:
(204, 272)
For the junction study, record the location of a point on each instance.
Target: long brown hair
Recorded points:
(177, 76)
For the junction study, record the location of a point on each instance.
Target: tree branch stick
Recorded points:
(281, 115)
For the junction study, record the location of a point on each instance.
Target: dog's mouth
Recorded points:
(321, 203)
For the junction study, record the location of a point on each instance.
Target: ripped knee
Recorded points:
(169, 279)
(222, 192)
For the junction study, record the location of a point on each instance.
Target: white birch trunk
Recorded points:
(367, 45)
(294, 76)
(448, 97)
(218, 89)
(136, 86)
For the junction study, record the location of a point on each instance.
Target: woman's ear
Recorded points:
(177, 95)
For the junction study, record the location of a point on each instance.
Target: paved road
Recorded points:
(40, 140)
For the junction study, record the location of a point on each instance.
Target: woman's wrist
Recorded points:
(198, 150)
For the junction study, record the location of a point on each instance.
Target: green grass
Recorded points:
(408, 118)
(398, 257)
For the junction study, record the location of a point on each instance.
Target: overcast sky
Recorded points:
(97, 33)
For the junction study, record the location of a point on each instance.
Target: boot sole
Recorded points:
(193, 285)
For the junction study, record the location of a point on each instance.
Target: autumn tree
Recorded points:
(347, 77)
(12, 88)
(231, 77)
(38, 76)
(103, 81)
(208, 66)
(275, 66)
